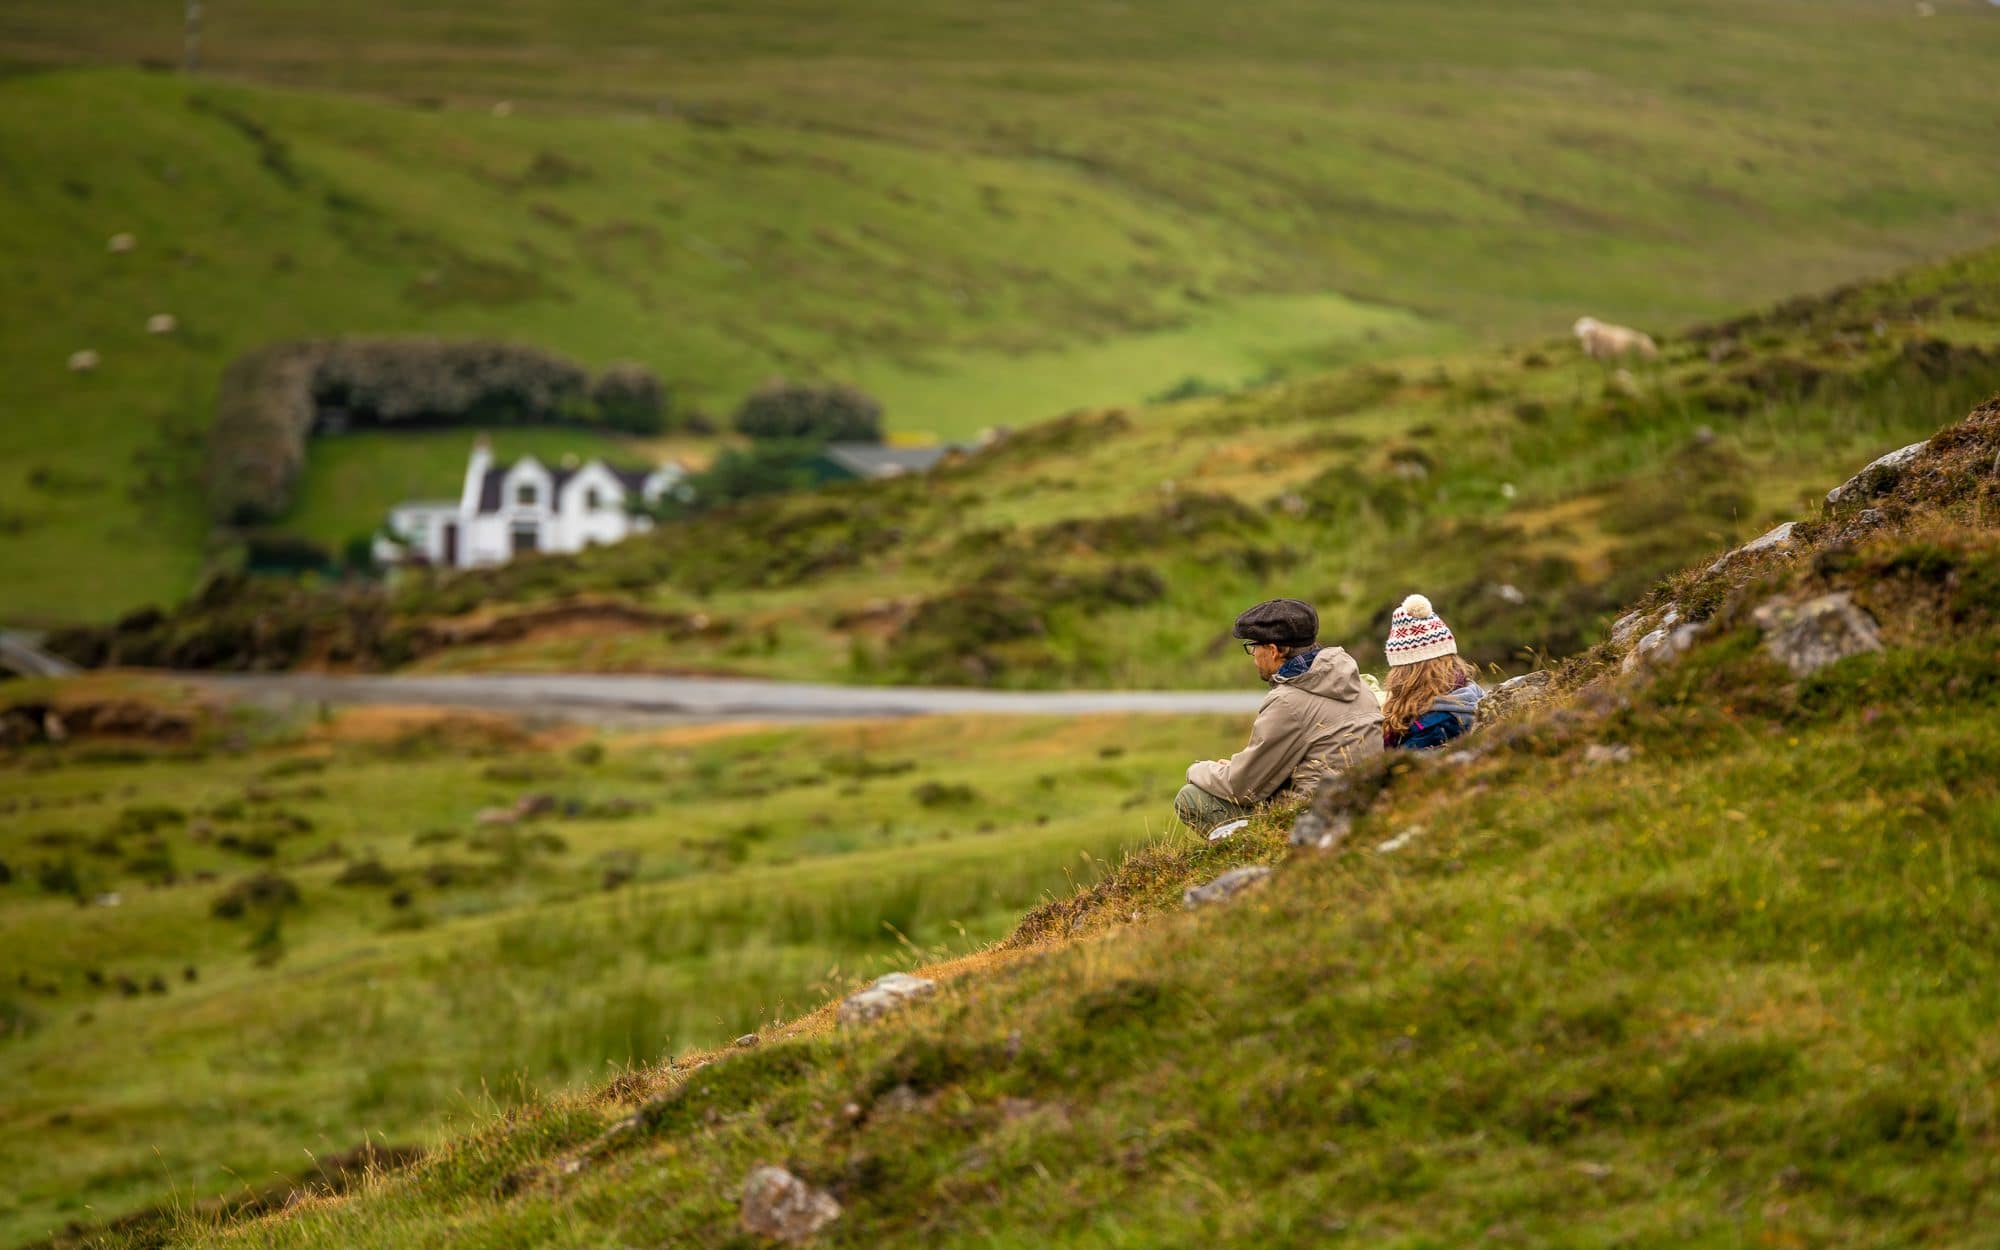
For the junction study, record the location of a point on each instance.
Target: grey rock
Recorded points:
(1869, 518)
(1228, 885)
(1663, 646)
(1601, 753)
(1806, 637)
(1401, 840)
(1508, 592)
(1777, 538)
(883, 995)
(748, 1039)
(899, 1100)
(780, 1206)
(1625, 626)
(1321, 834)
(1875, 475)
(1503, 700)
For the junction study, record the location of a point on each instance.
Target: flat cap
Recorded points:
(1286, 622)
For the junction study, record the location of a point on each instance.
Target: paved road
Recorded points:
(21, 652)
(609, 698)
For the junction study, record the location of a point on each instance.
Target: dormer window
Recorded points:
(592, 501)
(524, 495)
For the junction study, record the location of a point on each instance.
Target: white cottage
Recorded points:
(503, 510)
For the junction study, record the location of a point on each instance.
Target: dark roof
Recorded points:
(489, 486)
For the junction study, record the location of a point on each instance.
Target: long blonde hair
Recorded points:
(1414, 687)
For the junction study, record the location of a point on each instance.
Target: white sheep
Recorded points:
(83, 361)
(162, 323)
(121, 243)
(1608, 342)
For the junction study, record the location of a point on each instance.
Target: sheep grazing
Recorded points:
(83, 361)
(162, 323)
(121, 243)
(1608, 342)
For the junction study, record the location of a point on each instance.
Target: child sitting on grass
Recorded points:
(1432, 697)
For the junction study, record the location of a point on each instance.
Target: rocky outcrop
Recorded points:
(1806, 637)
(1876, 476)
(1226, 886)
(882, 996)
(784, 1208)
(1777, 538)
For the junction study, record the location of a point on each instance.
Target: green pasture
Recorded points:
(436, 967)
(990, 215)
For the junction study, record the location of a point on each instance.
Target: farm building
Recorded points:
(505, 510)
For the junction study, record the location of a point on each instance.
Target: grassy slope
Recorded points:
(1735, 991)
(1532, 472)
(919, 199)
(767, 867)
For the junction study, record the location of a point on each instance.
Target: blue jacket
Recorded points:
(1450, 716)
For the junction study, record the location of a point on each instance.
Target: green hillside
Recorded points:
(983, 214)
(1698, 956)
(1531, 493)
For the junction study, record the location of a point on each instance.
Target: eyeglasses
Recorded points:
(1250, 648)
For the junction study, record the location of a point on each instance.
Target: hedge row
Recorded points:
(273, 399)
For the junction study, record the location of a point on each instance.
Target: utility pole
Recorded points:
(191, 38)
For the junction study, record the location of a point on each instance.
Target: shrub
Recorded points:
(446, 382)
(768, 468)
(266, 891)
(367, 873)
(799, 412)
(629, 397)
(945, 794)
(274, 398)
(263, 416)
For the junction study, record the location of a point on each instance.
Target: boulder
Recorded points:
(883, 995)
(1401, 840)
(784, 1208)
(1664, 645)
(1777, 538)
(1319, 832)
(1876, 476)
(1226, 886)
(1806, 637)
(1602, 753)
(1625, 626)
(1512, 695)
(83, 361)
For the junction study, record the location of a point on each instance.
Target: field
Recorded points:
(686, 886)
(1699, 956)
(988, 215)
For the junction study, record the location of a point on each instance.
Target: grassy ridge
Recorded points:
(985, 214)
(1730, 984)
(437, 967)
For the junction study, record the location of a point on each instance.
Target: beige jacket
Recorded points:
(1317, 723)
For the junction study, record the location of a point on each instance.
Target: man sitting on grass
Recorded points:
(1318, 719)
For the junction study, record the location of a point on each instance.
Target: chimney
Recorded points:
(475, 475)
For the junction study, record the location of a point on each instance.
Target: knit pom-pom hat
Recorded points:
(1418, 633)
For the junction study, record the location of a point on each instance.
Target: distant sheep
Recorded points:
(83, 361)
(1607, 342)
(121, 243)
(162, 323)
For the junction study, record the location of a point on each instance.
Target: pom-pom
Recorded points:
(1418, 606)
